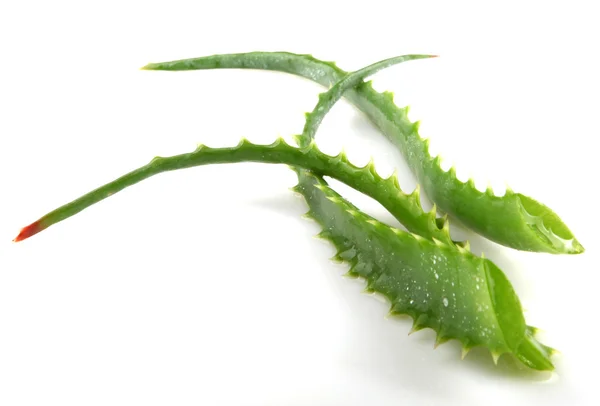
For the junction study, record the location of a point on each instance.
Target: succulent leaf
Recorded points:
(457, 294)
(404, 207)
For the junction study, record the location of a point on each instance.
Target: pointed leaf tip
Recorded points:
(576, 247)
(28, 231)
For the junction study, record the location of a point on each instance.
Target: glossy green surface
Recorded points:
(513, 220)
(441, 286)
(407, 208)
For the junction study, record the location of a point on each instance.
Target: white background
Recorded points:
(204, 286)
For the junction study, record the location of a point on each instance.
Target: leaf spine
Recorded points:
(438, 242)
(495, 356)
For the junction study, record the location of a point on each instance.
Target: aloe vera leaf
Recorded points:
(407, 208)
(442, 287)
(513, 220)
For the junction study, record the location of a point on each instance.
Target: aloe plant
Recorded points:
(423, 273)
(513, 220)
(442, 285)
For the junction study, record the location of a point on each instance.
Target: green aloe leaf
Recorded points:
(442, 287)
(407, 208)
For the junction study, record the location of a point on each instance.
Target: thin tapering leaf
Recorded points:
(366, 180)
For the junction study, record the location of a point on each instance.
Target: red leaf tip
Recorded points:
(28, 231)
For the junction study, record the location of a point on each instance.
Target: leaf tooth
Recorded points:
(279, 142)
(296, 189)
(419, 323)
(157, 160)
(416, 195)
(393, 312)
(452, 172)
(351, 274)
(368, 84)
(340, 157)
(393, 179)
(337, 259)
(445, 224)
(489, 190)
(308, 215)
(389, 96)
(414, 329)
(466, 345)
(432, 214)
(417, 237)
(324, 235)
(343, 156)
(426, 144)
(440, 339)
(471, 183)
(438, 242)
(330, 63)
(244, 142)
(415, 126)
(369, 287)
(370, 166)
(462, 249)
(496, 355)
